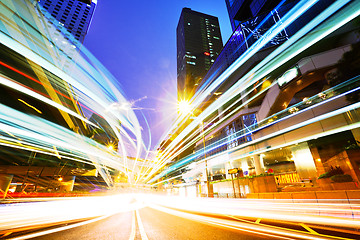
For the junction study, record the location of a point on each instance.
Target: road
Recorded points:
(156, 225)
(148, 216)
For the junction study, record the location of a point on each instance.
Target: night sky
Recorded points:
(136, 42)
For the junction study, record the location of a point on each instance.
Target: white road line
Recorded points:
(259, 229)
(141, 226)
(133, 227)
(38, 234)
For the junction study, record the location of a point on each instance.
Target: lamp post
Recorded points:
(185, 108)
(206, 166)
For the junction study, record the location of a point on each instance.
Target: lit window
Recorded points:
(190, 56)
(192, 63)
(189, 23)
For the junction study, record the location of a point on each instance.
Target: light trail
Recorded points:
(284, 53)
(321, 212)
(15, 86)
(21, 215)
(70, 80)
(59, 229)
(206, 84)
(41, 136)
(270, 232)
(288, 18)
(269, 136)
(240, 86)
(216, 212)
(265, 123)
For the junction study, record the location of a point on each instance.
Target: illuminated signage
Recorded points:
(287, 178)
(288, 76)
(232, 171)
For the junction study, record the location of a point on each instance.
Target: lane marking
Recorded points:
(258, 220)
(133, 227)
(7, 234)
(216, 222)
(38, 234)
(289, 229)
(334, 229)
(307, 228)
(141, 226)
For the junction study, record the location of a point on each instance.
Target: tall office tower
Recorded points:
(241, 10)
(198, 44)
(74, 15)
(250, 20)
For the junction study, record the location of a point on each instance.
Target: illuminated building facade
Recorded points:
(198, 44)
(300, 95)
(74, 15)
(242, 10)
(250, 30)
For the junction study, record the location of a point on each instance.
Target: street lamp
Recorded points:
(110, 147)
(206, 166)
(185, 108)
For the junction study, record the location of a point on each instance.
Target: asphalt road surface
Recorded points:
(174, 218)
(153, 224)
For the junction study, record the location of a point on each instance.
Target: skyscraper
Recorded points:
(240, 10)
(198, 44)
(74, 15)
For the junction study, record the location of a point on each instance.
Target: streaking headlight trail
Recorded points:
(70, 92)
(238, 95)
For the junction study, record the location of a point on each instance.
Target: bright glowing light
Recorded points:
(184, 107)
(45, 211)
(335, 16)
(204, 210)
(288, 76)
(308, 211)
(76, 93)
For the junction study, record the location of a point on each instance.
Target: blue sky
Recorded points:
(136, 42)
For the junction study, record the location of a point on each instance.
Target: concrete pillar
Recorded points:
(304, 162)
(259, 164)
(5, 180)
(203, 178)
(210, 173)
(227, 167)
(67, 184)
